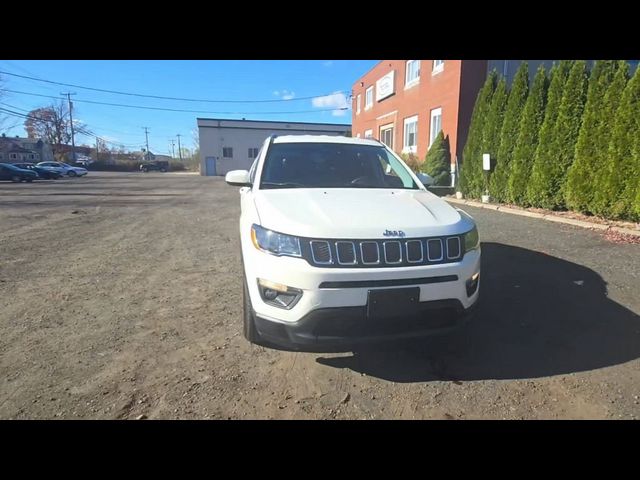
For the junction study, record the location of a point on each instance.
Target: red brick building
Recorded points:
(405, 103)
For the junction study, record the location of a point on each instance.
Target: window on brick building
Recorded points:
(410, 135)
(438, 66)
(368, 98)
(412, 76)
(436, 124)
(386, 135)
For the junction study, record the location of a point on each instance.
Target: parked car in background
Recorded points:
(15, 174)
(43, 173)
(63, 169)
(156, 165)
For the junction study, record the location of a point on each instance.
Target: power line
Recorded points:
(79, 129)
(160, 97)
(178, 109)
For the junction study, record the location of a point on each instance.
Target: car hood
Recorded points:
(358, 213)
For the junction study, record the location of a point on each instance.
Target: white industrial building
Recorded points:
(233, 144)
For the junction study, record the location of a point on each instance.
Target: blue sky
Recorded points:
(196, 79)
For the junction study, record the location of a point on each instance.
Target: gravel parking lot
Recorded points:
(120, 297)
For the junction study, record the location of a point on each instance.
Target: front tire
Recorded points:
(71, 173)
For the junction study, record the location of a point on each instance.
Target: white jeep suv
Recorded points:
(342, 244)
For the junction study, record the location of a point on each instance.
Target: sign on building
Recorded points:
(386, 86)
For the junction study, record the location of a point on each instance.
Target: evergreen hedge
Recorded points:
(592, 145)
(527, 141)
(621, 180)
(600, 200)
(509, 132)
(437, 163)
(471, 175)
(537, 186)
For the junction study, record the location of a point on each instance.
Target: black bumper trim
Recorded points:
(342, 329)
(389, 283)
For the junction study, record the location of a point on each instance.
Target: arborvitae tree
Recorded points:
(635, 159)
(527, 140)
(471, 180)
(590, 150)
(602, 197)
(495, 117)
(538, 189)
(437, 163)
(621, 184)
(509, 132)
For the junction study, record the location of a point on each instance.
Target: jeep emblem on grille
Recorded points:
(393, 233)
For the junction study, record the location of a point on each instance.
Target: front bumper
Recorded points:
(332, 310)
(339, 329)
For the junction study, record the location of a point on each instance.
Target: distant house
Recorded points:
(66, 152)
(17, 149)
(142, 157)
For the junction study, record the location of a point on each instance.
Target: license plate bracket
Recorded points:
(392, 302)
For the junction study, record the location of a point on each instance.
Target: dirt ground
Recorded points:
(120, 297)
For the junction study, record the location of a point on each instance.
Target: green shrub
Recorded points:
(537, 188)
(592, 144)
(471, 175)
(622, 173)
(437, 163)
(601, 199)
(509, 133)
(527, 140)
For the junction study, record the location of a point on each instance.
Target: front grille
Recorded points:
(341, 253)
(321, 252)
(434, 249)
(414, 251)
(370, 253)
(346, 253)
(392, 252)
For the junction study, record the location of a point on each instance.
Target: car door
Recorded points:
(4, 173)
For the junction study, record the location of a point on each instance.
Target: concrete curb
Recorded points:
(541, 216)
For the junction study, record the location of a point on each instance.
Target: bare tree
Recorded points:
(50, 123)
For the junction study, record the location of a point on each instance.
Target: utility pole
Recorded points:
(146, 134)
(179, 149)
(73, 141)
(97, 150)
(173, 148)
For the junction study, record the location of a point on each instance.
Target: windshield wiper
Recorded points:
(282, 185)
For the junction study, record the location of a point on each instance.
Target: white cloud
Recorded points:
(328, 63)
(337, 101)
(285, 94)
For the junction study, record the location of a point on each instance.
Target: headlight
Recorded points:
(274, 242)
(471, 240)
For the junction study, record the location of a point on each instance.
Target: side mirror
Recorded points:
(238, 178)
(425, 179)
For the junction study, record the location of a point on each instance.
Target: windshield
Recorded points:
(333, 165)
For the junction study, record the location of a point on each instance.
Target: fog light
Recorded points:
(472, 284)
(277, 294)
(270, 294)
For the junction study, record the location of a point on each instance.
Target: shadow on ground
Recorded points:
(539, 316)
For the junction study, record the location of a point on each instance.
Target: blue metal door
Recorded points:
(210, 166)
